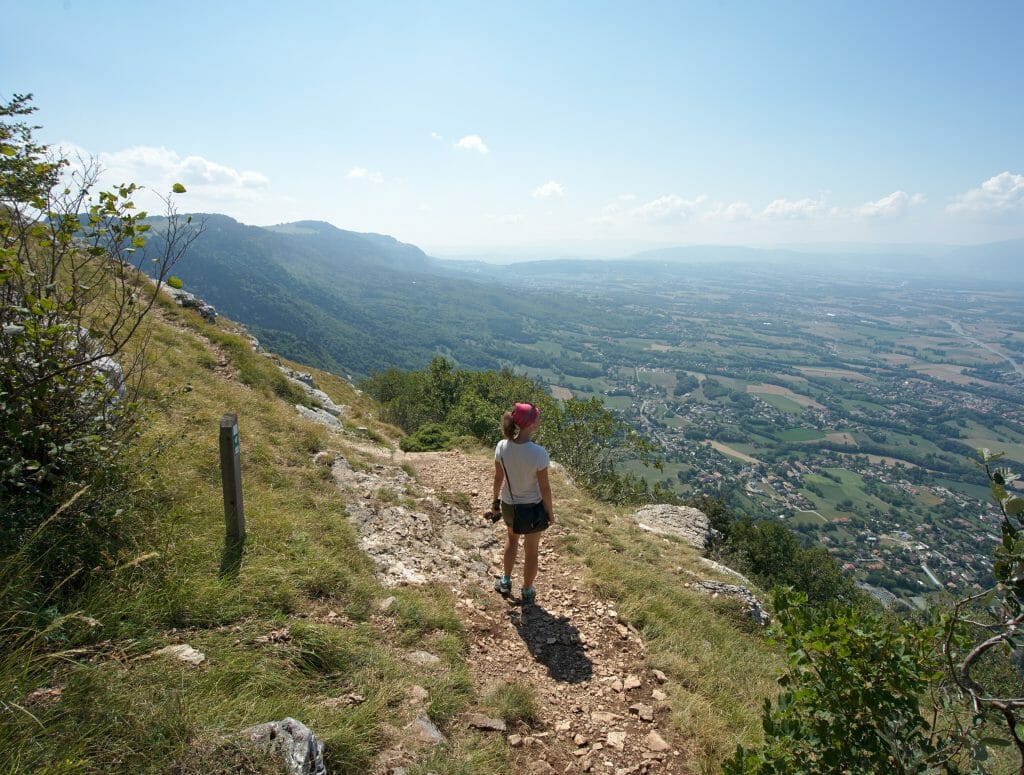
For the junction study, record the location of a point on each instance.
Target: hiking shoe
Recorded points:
(504, 586)
(529, 595)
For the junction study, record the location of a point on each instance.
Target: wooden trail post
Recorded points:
(231, 477)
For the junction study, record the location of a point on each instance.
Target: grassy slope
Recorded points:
(122, 710)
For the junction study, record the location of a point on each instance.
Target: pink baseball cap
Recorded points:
(525, 415)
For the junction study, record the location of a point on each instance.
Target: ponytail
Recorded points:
(509, 429)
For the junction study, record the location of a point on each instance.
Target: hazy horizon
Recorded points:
(607, 127)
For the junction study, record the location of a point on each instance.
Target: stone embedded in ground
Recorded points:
(540, 767)
(348, 700)
(631, 682)
(656, 742)
(616, 738)
(387, 602)
(182, 652)
(645, 712)
(423, 658)
(746, 598)
(659, 676)
(426, 731)
(659, 695)
(293, 741)
(514, 741)
(603, 717)
(480, 721)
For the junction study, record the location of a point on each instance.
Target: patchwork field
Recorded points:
(777, 390)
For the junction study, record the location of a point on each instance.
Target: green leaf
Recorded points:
(177, 188)
(1014, 505)
(995, 741)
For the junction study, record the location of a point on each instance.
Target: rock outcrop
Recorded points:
(325, 411)
(693, 526)
(186, 299)
(412, 538)
(297, 745)
(690, 524)
(750, 603)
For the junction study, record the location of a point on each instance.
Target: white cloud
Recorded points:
(472, 143)
(210, 185)
(895, 204)
(789, 209)
(548, 190)
(159, 168)
(361, 173)
(506, 218)
(435, 136)
(627, 197)
(668, 209)
(1000, 193)
(730, 211)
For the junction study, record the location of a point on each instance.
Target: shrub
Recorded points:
(72, 299)
(430, 437)
(865, 693)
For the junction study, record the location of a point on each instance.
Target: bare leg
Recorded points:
(532, 545)
(511, 548)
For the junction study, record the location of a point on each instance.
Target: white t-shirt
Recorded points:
(522, 462)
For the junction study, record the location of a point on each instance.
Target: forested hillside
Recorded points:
(353, 303)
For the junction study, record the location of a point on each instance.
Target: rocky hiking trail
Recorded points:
(601, 708)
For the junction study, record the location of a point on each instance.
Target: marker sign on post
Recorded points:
(231, 477)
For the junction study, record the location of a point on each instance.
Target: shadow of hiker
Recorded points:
(554, 642)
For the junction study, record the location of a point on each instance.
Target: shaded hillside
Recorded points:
(353, 303)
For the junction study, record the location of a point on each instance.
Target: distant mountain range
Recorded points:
(355, 303)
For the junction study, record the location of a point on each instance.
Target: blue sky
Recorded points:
(548, 128)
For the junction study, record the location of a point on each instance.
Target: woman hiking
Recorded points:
(520, 477)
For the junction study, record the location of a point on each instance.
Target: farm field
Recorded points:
(849, 406)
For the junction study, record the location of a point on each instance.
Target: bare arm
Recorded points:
(499, 478)
(545, 493)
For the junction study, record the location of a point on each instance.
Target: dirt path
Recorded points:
(601, 709)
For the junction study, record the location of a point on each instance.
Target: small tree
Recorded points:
(72, 298)
(587, 439)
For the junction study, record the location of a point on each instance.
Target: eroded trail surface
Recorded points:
(601, 709)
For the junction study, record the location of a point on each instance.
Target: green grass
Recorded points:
(781, 403)
(513, 703)
(850, 487)
(272, 649)
(121, 710)
(1014, 451)
(801, 434)
(719, 667)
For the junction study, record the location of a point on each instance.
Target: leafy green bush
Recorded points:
(441, 404)
(428, 438)
(72, 298)
(175, 282)
(867, 693)
(851, 697)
